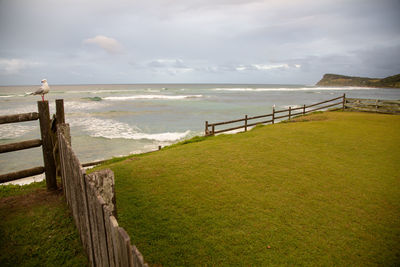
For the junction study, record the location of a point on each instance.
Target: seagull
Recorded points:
(44, 89)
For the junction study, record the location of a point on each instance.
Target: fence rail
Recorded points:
(43, 115)
(304, 110)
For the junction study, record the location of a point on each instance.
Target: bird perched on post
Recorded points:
(44, 89)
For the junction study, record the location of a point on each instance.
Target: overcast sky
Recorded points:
(196, 41)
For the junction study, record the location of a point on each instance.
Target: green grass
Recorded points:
(36, 228)
(325, 191)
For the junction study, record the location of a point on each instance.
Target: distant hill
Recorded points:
(341, 80)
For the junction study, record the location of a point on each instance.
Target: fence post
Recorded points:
(304, 109)
(60, 111)
(273, 114)
(245, 123)
(344, 101)
(47, 146)
(206, 129)
(213, 129)
(290, 112)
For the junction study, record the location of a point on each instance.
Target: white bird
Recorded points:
(44, 89)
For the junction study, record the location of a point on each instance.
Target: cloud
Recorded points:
(170, 66)
(267, 67)
(110, 45)
(14, 66)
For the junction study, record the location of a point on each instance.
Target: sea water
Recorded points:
(114, 120)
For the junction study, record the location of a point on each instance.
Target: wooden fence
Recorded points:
(373, 105)
(91, 198)
(47, 147)
(275, 115)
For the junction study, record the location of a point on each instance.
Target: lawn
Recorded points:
(36, 228)
(324, 190)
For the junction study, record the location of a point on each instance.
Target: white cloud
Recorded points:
(14, 66)
(170, 66)
(110, 45)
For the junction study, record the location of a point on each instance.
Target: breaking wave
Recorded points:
(163, 97)
(112, 129)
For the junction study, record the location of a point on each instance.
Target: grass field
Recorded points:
(36, 228)
(324, 191)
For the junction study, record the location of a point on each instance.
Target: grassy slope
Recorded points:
(323, 192)
(36, 228)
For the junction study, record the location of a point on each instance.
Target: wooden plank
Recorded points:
(110, 243)
(94, 225)
(47, 146)
(19, 117)
(115, 240)
(319, 108)
(260, 122)
(20, 145)
(225, 122)
(229, 129)
(60, 111)
(99, 206)
(259, 117)
(280, 111)
(283, 116)
(89, 244)
(323, 102)
(124, 247)
(21, 174)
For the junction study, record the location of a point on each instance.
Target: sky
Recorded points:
(196, 41)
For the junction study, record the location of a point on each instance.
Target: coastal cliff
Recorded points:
(341, 80)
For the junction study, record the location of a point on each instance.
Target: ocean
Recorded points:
(115, 120)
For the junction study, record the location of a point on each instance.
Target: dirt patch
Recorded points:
(37, 197)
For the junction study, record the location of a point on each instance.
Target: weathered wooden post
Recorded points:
(245, 123)
(344, 101)
(206, 130)
(213, 129)
(304, 109)
(47, 146)
(273, 114)
(159, 147)
(60, 111)
(290, 112)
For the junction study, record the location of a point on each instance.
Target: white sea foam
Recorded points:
(113, 129)
(74, 106)
(10, 131)
(163, 97)
(293, 89)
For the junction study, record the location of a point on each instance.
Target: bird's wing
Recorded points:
(38, 91)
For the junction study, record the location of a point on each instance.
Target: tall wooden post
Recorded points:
(273, 115)
(344, 101)
(47, 146)
(290, 112)
(304, 109)
(60, 111)
(213, 129)
(206, 129)
(245, 123)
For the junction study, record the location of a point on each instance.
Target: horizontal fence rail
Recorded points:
(275, 115)
(21, 174)
(20, 145)
(19, 117)
(45, 142)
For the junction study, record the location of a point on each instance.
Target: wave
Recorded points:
(293, 89)
(163, 97)
(112, 129)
